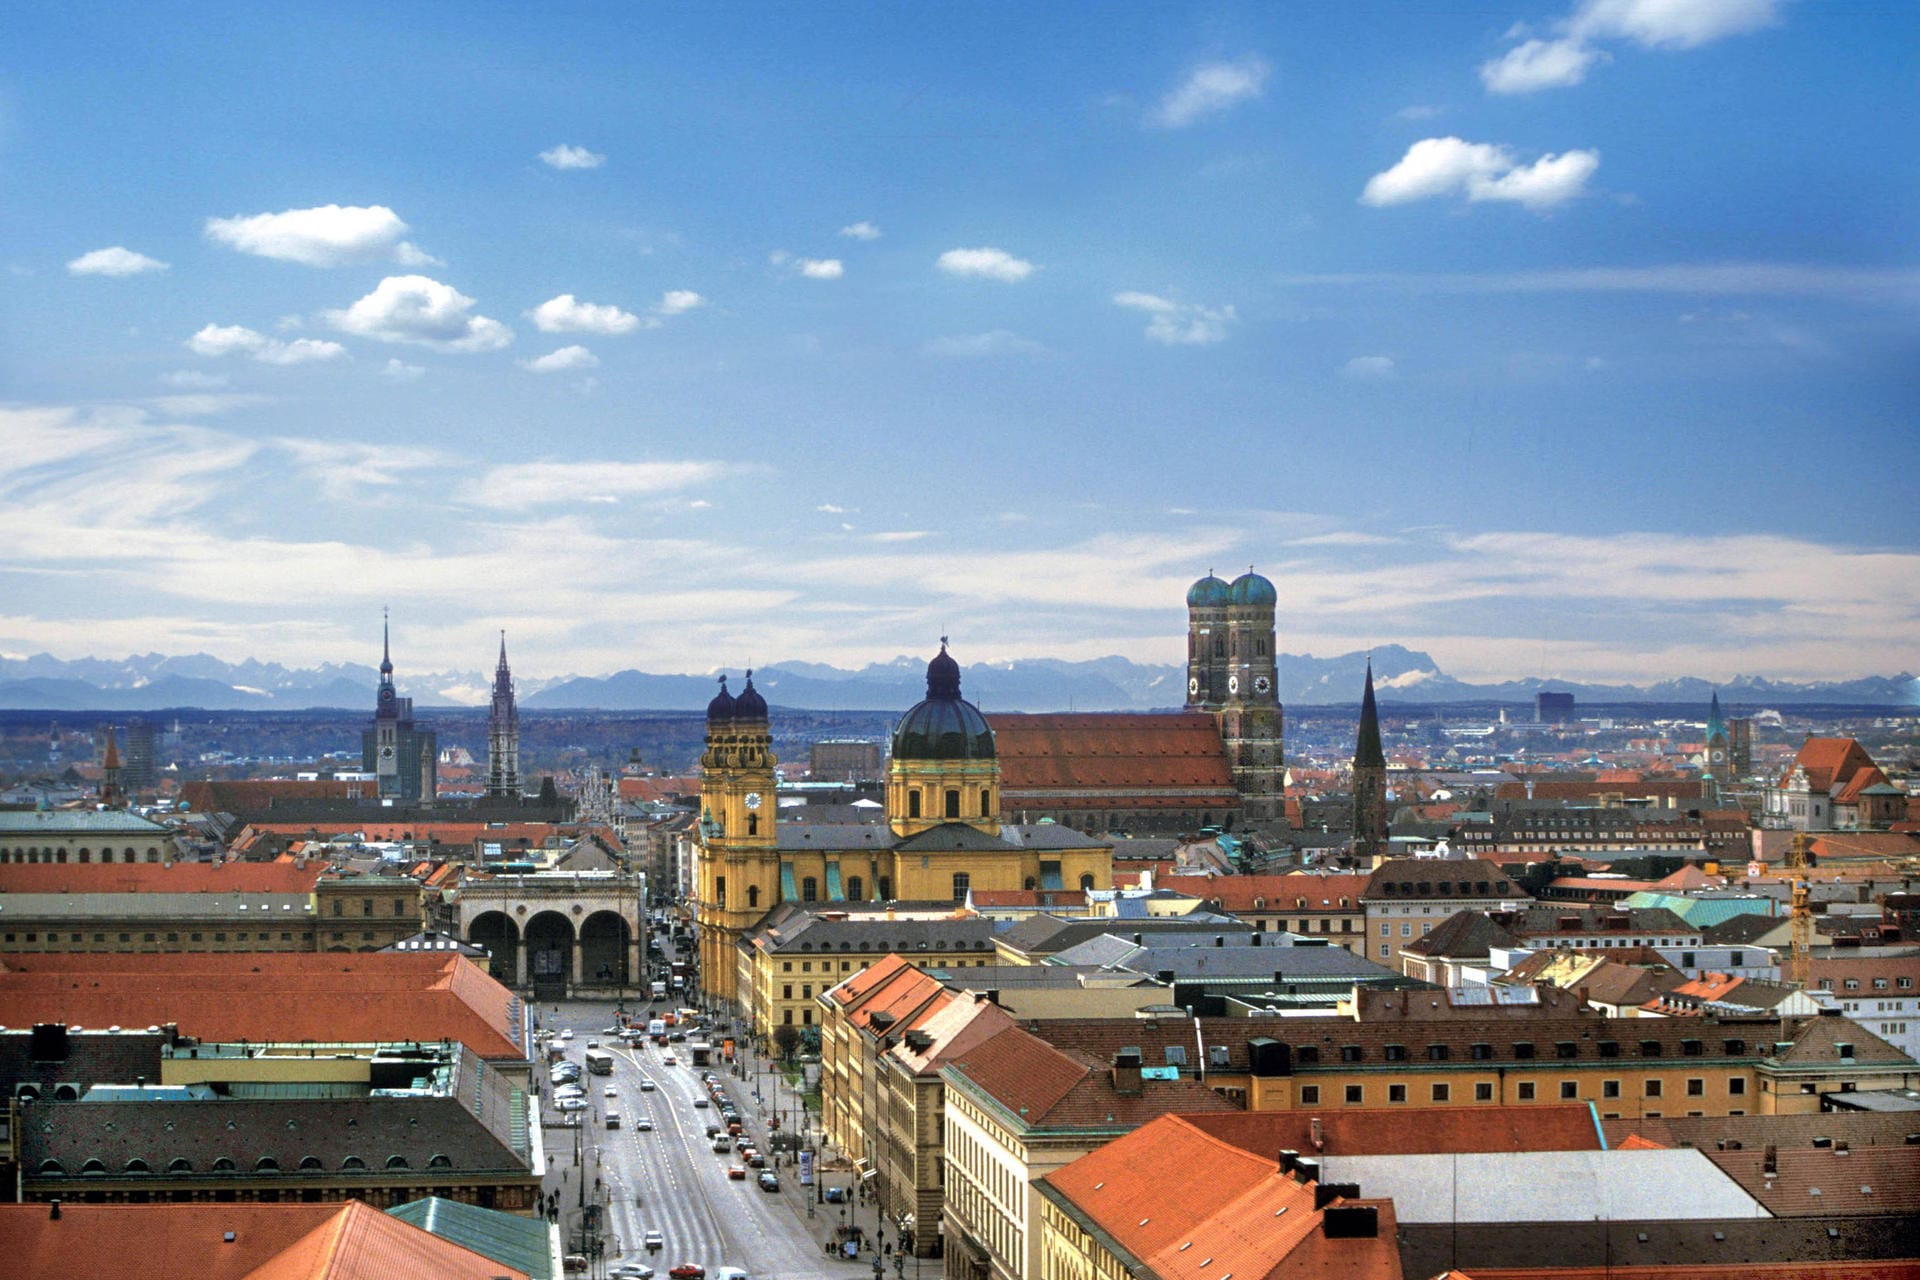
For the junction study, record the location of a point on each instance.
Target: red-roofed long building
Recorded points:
(1834, 785)
(1105, 772)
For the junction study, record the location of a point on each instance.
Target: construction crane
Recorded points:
(1802, 910)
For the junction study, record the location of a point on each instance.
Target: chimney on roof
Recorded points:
(1288, 1158)
(1351, 1222)
(1770, 1163)
(1126, 1073)
(1325, 1193)
(1305, 1170)
(53, 1211)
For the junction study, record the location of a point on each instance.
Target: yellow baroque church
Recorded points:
(943, 835)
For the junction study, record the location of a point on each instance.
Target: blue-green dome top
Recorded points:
(943, 726)
(1206, 593)
(1251, 588)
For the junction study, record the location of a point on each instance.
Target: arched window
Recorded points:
(137, 1165)
(439, 1162)
(809, 889)
(94, 1166)
(753, 824)
(53, 1167)
(1086, 882)
(720, 891)
(986, 802)
(179, 1164)
(1031, 883)
(354, 1163)
(66, 1093)
(854, 889)
(953, 802)
(913, 803)
(266, 1164)
(397, 1162)
(225, 1165)
(310, 1164)
(753, 895)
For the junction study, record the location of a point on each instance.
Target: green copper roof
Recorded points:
(507, 1238)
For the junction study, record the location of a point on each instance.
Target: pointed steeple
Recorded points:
(386, 646)
(1716, 726)
(1367, 751)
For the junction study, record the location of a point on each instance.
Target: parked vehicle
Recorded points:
(769, 1181)
(655, 1242)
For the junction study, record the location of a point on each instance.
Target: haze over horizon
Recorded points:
(1566, 337)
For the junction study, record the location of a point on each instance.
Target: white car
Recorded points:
(567, 1034)
(570, 1104)
(612, 1092)
(647, 1085)
(629, 1271)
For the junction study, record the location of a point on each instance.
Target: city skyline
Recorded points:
(1556, 339)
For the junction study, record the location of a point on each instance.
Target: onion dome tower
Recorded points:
(738, 862)
(943, 766)
(1233, 672)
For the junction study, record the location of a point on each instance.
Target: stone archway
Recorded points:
(549, 941)
(496, 931)
(605, 943)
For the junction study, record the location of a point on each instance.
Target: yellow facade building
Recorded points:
(943, 838)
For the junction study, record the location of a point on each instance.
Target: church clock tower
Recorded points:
(739, 861)
(1233, 672)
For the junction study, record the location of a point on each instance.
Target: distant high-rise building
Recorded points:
(503, 732)
(1553, 708)
(1369, 779)
(1740, 747)
(137, 769)
(844, 760)
(402, 758)
(1233, 672)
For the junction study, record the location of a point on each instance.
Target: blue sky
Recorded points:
(1573, 338)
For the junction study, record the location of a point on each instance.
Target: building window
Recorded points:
(1309, 1095)
(1442, 1093)
(1737, 1086)
(1696, 1087)
(1609, 1088)
(809, 889)
(1396, 1093)
(1356, 1094)
(400, 906)
(1569, 1091)
(366, 906)
(962, 882)
(986, 802)
(1483, 1091)
(719, 891)
(953, 802)
(753, 895)
(913, 803)
(854, 888)
(1524, 1091)
(339, 907)
(786, 1016)
(1653, 1089)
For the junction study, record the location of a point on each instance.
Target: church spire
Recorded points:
(386, 646)
(503, 731)
(1716, 727)
(1369, 779)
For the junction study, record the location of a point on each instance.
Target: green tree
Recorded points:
(786, 1039)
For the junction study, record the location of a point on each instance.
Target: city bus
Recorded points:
(599, 1062)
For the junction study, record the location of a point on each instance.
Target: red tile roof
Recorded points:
(1850, 1270)
(1273, 893)
(1243, 1218)
(252, 794)
(159, 877)
(270, 996)
(270, 1242)
(1386, 1132)
(1050, 1087)
(1130, 756)
(1829, 761)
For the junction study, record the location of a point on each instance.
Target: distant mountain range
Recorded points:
(154, 681)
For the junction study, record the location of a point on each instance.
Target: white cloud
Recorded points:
(831, 509)
(1672, 24)
(226, 340)
(537, 483)
(194, 380)
(398, 370)
(329, 235)
(1536, 64)
(995, 342)
(344, 469)
(1368, 368)
(566, 358)
(676, 302)
(117, 261)
(565, 314)
(1179, 323)
(898, 535)
(820, 268)
(422, 311)
(1211, 89)
(408, 255)
(985, 264)
(1435, 167)
(566, 156)
(862, 230)
(1540, 64)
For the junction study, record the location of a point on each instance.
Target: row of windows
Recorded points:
(366, 907)
(1524, 1090)
(951, 802)
(1520, 1050)
(243, 936)
(37, 854)
(225, 1164)
(1879, 984)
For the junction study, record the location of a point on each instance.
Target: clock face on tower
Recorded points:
(1719, 756)
(753, 800)
(386, 753)
(1233, 684)
(1193, 684)
(1261, 684)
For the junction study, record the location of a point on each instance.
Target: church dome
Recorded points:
(722, 706)
(749, 705)
(1206, 593)
(1251, 588)
(943, 726)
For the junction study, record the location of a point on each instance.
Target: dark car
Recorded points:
(834, 1195)
(769, 1182)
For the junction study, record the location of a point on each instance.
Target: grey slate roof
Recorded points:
(518, 1242)
(1265, 964)
(881, 934)
(52, 822)
(1045, 935)
(1547, 1186)
(835, 836)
